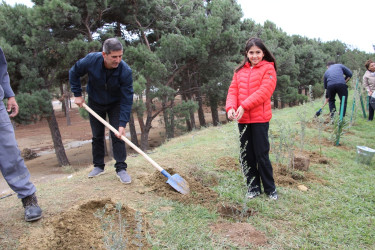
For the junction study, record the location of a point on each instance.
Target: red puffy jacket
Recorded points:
(252, 89)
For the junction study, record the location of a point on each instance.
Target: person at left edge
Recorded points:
(12, 165)
(110, 91)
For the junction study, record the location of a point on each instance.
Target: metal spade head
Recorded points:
(179, 184)
(318, 113)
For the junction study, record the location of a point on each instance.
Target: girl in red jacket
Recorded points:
(249, 102)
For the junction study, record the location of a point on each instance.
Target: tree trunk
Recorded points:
(144, 140)
(202, 120)
(192, 120)
(57, 142)
(168, 121)
(276, 102)
(214, 113)
(188, 125)
(66, 99)
(187, 120)
(62, 99)
(133, 131)
(145, 133)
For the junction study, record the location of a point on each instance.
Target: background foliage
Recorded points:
(186, 48)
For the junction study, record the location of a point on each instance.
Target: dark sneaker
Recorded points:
(273, 195)
(124, 177)
(252, 194)
(96, 172)
(32, 210)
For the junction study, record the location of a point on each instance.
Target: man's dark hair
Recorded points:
(112, 44)
(330, 63)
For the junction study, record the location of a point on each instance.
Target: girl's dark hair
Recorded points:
(367, 64)
(254, 41)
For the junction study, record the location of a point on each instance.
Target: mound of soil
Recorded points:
(227, 163)
(90, 226)
(241, 234)
(235, 212)
(290, 178)
(199, 194)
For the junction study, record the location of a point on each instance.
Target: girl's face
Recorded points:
(255, 55)
(371, 67)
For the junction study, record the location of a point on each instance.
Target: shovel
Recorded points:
(319, 112)
(176, 181)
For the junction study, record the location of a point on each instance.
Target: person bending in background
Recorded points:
(369, 85)
(12, 165)
(110, 91)
(249, 102)
(335, 79)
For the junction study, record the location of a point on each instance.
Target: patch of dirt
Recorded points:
(235, 212)
(241, 234)
(207, 178)
(287, 177)
(199, 194)
(317, 158)
(79, 228)
(28, 154)
(327, 127)
(227, 163)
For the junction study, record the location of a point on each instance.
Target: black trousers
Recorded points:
(371, 108)
(98, 129)
(255, 161)
(341, 90)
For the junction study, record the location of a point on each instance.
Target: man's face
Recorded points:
(112, 60)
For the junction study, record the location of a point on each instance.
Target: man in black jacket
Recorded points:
(110, 91)
(335, 79)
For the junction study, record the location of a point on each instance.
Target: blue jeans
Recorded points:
(12, 165)
(98, 129)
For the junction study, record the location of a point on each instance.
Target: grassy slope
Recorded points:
(339, 214)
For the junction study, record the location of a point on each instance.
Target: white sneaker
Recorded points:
(253, 194)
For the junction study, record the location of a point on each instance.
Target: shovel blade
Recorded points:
(179, 184)
(318, 113)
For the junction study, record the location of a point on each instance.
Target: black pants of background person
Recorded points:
(98, 129)
(371, 108)
(341, 90)
(255, 160)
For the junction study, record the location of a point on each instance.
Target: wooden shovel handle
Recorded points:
(109, 126)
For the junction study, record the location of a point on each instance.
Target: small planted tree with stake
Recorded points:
(339, 125)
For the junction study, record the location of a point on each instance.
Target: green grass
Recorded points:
(339, 214)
